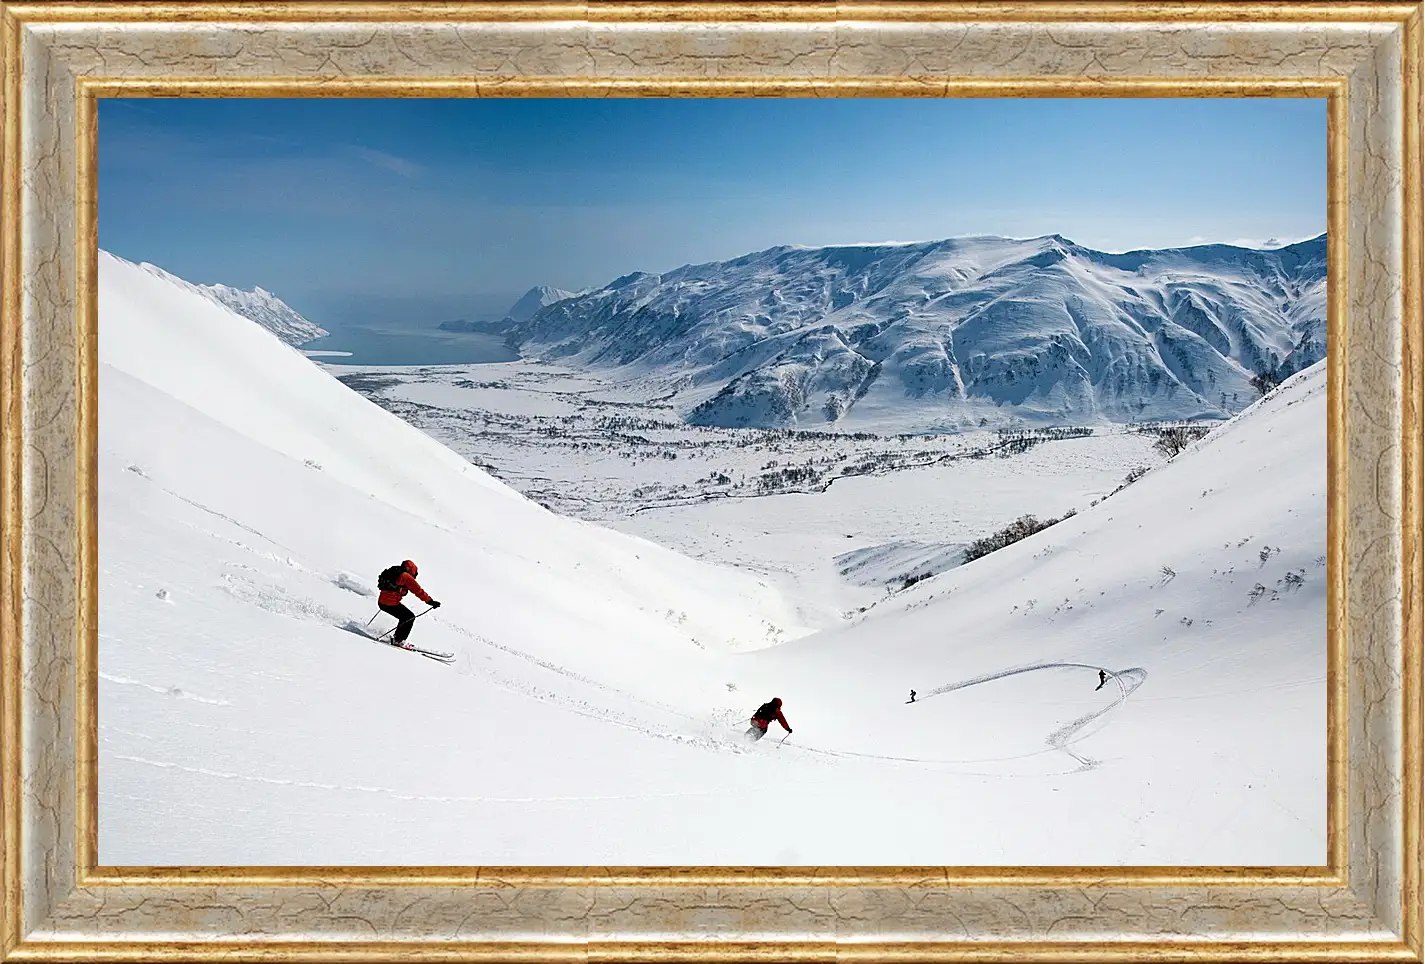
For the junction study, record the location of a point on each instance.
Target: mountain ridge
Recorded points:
(540, 296)
(258, 305)
(268, 310)
(942, 334)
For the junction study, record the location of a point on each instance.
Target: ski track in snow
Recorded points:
(1060, 739)
(260, 553)
(226, 518)
(275, 599)
(582, 707)
(570, 674)
(397, 795)
(173, 691)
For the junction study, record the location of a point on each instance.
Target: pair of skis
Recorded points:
(439, 657)
(436, 655)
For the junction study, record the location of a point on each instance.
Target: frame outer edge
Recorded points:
(1412, 602)
(11, 399)
(662, 951)
(737, 11)
(1338, 307)
(11, 481)
(86, 547)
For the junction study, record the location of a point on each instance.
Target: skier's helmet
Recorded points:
(777, 700)
(410, 567)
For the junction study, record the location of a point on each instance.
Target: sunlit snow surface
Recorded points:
(601, 683)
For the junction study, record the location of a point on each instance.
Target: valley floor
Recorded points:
(840, 520)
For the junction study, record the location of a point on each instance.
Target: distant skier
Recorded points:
(763, 718)
(912, 696)
(1102, 678)
(394, 583)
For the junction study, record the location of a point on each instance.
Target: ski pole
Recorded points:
(398, 625)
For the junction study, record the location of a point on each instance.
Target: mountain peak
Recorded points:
(540, 296)
(265, 308)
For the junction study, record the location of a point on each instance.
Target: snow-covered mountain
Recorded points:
(259, 305)
(531, 301)
(945, 334)
(269, 311)
(593, 712)
(540, 296)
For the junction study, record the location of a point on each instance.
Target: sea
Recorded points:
(359, 345)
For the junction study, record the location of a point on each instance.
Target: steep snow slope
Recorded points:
(1201, 588)
(204, 410)
(247, 501)
(944, 334)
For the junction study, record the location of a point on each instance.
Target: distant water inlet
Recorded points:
(408, 346)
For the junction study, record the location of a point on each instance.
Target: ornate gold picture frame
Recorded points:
(1363, 904)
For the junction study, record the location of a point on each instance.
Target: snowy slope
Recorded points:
(1215, 560)
(247, 501)
(1201, 589)
(209, 422)
(944, 334)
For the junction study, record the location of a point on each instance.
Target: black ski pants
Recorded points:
(407, 618)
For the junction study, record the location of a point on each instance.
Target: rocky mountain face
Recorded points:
(258, 305)
(534, 299)
(268, 310)
(948, 334)
(530, 302)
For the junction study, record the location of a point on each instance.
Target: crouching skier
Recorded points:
(394, 583)
(763, 718)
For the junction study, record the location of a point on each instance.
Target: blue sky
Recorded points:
(416, 211)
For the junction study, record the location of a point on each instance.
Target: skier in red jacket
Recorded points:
(764, 716)
(394, 583)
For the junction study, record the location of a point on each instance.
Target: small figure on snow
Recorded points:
(1102, 678)
(763, 718)
(394, 583)
(912, 696)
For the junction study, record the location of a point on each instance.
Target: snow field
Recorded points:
(592, 715)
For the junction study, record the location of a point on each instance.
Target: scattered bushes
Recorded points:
(1021, 528)
(1017, 441)
(1264, 382)
(1134, 474)
(1174, 439)
(909, 581)
(1017, 445)
(783, 478)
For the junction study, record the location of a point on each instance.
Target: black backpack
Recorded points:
(388, 580)
(767, 711)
